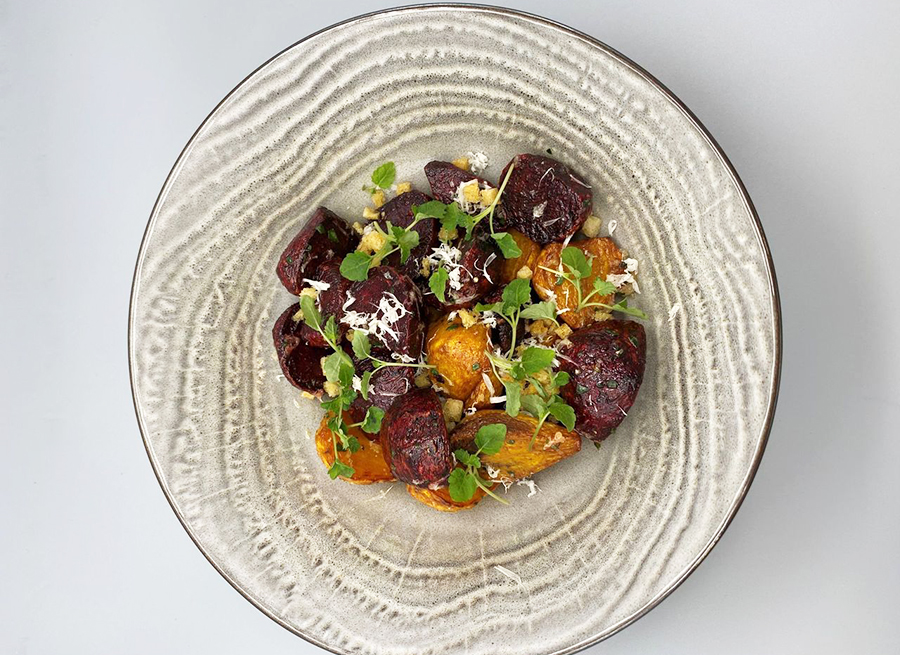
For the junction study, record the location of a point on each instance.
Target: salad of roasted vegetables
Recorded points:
(464, 340)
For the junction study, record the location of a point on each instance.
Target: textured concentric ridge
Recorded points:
(366, 569)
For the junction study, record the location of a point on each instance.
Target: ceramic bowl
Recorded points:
(359, 569)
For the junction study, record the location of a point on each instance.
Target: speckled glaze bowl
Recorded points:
(356, 569)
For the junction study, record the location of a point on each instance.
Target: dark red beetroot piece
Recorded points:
(330, 301)
(543, 199)
(325, 236)
(300, 362)
(385, 386)
(398, 211)
(480, 264)
(605, 363)
(414, 437)
(445, 179)
(388, 289)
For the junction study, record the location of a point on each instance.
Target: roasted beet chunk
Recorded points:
(474, 269)
(445, 179)
(543, 199)
(330, 301)
(388, 307)
(415, 439)
(398, 211)
(325, 236)
(605, 363)
(300, 362)
(385, 386)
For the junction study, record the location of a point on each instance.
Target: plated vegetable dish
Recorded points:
(464, 340)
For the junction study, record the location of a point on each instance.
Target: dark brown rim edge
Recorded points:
(723, 158)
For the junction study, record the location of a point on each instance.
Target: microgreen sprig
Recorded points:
(573, 268)
(535, 363)
(355, 266)
(464, 482)
(339, 370)
(382, 177)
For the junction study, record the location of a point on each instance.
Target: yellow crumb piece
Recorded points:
(426, 267)
(602, 315)
(444, 235)
(524, 273)
(358, 227)
(591, 227)
(370, 214)
(378, 198)
(371, 242)
(453, 410)
(307, 394)
(332, 388)
(462, 162)
(541, 327)
(488, 196)
(404, 187)
(563, 331)
(468, 318)
(423, 381)
(543, 376)
(472, 192)
(309, 291)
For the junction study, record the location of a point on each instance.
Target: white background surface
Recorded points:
(98, 98)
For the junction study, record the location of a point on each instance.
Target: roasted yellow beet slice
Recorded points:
(516, 460)
(368, 462)
(530, 252)
(440, 499)
(458, 355)
(607, 258)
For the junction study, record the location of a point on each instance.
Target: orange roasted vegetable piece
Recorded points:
(530, 251)
(458, 355)
(607, 258)
(516, 460)
(368, 462)
(440, 499)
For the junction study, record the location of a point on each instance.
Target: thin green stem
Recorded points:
(489, 210)
(480, 483)
(537, 430)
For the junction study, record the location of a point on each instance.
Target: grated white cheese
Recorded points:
(448, 256)
(471, 410)
(611, 226)
(487, 382)
(621, 279)
(487, 263)
(491, 471)
(673, 310)
(555, 440)
(318, 285)
(378, 324)
(496, 400)
(584, 184)
(538, 210)
(478, 161)
(532, 487)
(509, 574)
(488, 318)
